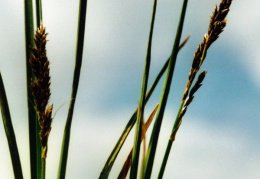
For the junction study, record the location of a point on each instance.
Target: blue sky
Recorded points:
(219, 135)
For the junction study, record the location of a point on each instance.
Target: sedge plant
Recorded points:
(40, 110)
(216, 26)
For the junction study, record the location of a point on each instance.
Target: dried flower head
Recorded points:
(40, 85)
(216, 26)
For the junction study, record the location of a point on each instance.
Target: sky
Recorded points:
(219, 137)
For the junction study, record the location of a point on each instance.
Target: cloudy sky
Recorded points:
(219, 137)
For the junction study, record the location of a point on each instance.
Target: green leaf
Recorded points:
(164, 96)
(9, 131)
(141, 107)
(78, 62)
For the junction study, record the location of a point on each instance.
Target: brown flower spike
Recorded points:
(216, 27)
(40, 85)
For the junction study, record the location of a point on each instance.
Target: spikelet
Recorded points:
(40, 85)
(216, 26)
(218, 21)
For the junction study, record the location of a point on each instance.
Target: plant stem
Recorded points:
(32, 116)
(111, 159)
(166, 89)
(216, 27)
(39, 12)
(140, 111)
(170, 142)
(79, 53)
(43, 166)
(9, 131)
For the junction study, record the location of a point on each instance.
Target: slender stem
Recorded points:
(32, 116)
(216, 26)
(9, 130)
(140, 111)
(111, 159)
(39, 146)
(170, 142)
(39, 12)
(166, 89)
(79, 53)
(43, 164)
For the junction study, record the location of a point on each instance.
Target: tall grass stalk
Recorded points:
(112, 157)
(35, 148)
(166, 89)
(79, 53)
(141, 107)
(216, 26)
(9, 131)
(43, 166)
(39, 12)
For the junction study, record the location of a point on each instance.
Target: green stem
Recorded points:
(32, 116)
(43, 166)
(178, 119)
(9, 131)
(112, 157)
(39, 12)
(170, 142)
(166, 89)
(140, 111)
(39, 146)
(79, 53)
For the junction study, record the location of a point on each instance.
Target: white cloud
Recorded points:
(244, 35)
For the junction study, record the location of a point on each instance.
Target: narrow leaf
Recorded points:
(9, 131)
(141, 107)
(76, 76)
(166, 89)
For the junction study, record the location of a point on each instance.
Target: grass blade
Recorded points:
(111, 159)
(35, 147)
(79, 53)
(140, 111)
(9, 131)
(216, 27)
(128, 161)
(170, 70)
